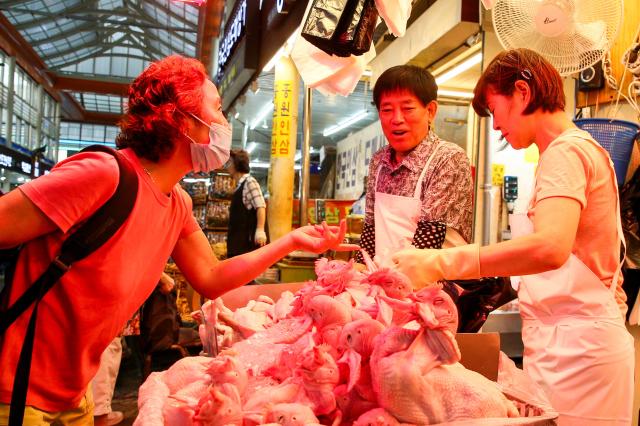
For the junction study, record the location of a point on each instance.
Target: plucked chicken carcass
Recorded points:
(350, 348)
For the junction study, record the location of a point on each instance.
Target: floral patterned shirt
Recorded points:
(447, 189)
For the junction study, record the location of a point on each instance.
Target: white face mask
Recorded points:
(205, 158)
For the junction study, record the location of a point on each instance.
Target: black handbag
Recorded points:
(341, 27)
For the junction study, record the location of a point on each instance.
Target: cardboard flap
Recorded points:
(480, 353)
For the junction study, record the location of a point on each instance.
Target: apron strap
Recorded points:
(418, 190)
(616, 274)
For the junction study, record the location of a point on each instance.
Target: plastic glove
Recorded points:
(261, 237)
(424, 267)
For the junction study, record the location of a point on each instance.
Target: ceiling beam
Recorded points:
(76, 84)
(46, 17)
(15, 45)
(171, 13)
(145, 15)
(71, 109)
(95, 117)
(100, 19)
(88, 27)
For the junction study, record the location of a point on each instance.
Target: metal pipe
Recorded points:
(485, 143)
(306, 144)
(245, 134)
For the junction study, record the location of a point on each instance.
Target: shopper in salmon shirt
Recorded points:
(174, 124)
(566, 249)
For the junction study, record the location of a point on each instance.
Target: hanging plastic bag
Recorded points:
(341, 27)
(395, 14)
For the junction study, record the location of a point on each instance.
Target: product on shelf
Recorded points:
(222, 186)
(196, 190)
(218, 213)
(200, 213)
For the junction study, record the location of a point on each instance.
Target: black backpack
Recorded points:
(89, 236)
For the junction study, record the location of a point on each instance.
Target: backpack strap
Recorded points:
(92, 234)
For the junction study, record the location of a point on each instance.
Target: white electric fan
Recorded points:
(571, 34)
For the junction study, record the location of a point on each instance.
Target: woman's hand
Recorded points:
(320, 238)
(424, 267)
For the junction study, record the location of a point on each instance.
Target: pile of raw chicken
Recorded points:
(352, 347)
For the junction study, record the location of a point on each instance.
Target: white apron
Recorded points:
(396, 217)
(575, 343)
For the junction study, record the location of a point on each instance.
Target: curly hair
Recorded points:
(523, 64)
(151, 124)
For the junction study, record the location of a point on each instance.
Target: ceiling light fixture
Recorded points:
(454, 94)
(264, 165)
(459, 69)
(284, 50)
(251, 147)
(262, 114)
(259, 165)
(345, 123)
(236, 115)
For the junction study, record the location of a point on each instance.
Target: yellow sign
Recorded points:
(497, 174)
(280, 132)
(531, 154)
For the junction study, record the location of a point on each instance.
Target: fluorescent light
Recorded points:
(459, 69)
(262, 114)
(263, 165)
(193, 180)
(455, 94)
(236, 115)
(251, 147)
(367, 73)
(345, 123)
(259, 165)
(298, 156)
(3, 178)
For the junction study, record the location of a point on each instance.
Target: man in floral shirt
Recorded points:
(420, 189)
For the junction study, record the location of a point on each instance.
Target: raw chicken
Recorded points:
(349, 348)
(291, 415)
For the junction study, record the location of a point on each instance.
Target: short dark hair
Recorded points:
(240, 159)
(152, 122)
(410, 78)
(510, 66)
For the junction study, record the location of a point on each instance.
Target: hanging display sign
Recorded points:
(21, 163)
(239, 50)
(282, 115)
(352, 160)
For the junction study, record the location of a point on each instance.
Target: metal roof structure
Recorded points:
(92, 49)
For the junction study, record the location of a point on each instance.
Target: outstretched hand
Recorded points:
(320, 238)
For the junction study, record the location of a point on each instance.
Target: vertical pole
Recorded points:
(55, 149)
(39, 114)
(10, 99)
(306, 145)
(245, 134)
(283, 147)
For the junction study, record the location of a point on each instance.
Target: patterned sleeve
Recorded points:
(254, 193)
(429, 235)
(367, 242)
(449, 196)
(371, 188)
